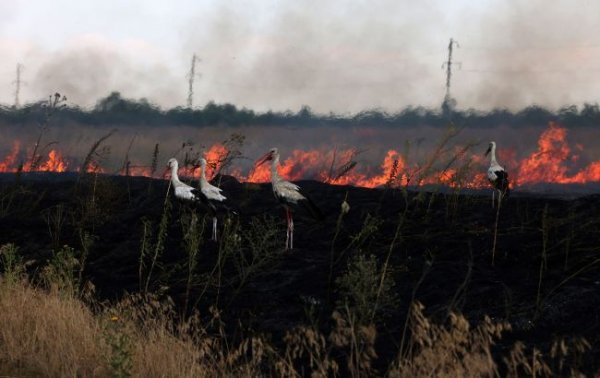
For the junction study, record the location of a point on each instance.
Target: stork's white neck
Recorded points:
(274, 173)
(202, 171)
(174, 176)
(493, 154)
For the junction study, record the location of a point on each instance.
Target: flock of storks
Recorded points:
(288, 194)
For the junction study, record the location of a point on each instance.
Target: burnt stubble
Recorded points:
(544, 280)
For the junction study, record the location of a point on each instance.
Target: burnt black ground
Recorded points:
(445, 241)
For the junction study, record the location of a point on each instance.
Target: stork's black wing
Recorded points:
(213, 206)
(501, 182)
(201, 198)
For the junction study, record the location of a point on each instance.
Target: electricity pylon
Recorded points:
(449, 103)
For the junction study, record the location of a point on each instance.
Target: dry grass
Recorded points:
(46, 334)
(455, 350)
(53, 332)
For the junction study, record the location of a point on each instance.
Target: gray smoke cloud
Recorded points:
(388, 54)
(86, 73)
(518, 53)
(335, 56)
(328, 56)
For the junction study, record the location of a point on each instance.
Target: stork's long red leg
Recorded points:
(214, 233)
(291, 231)
(289, 239)
(287, 233)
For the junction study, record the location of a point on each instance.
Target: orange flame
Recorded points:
(547, 164)
(552, 162)
(215, 157)
(8, 164)
(55, 163)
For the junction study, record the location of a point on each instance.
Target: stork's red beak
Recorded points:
(488, 151)
(263, 159)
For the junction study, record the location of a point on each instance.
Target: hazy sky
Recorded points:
(341, 56)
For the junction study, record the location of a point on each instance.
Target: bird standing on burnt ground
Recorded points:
(207, 196)
(497, 176)
(289, 195)
(214, 199)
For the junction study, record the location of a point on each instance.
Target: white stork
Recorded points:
(205, 196)
(288, 195)
(212, 196)
(497, 175)
(182, 190)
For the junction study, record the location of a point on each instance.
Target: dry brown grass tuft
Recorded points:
(52, 334)
(47, 334)
(456, 350)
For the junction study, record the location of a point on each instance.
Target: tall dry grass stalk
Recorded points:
(126, 162)
(193, 239)
(437, 155)
(54, 103)
(88, 162)
(344, 209)
(154, 249)
(496, 228)
(384, 270)
(543, 261)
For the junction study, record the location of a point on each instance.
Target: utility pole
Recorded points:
(18, 84)
(191, 76)
(449, 103)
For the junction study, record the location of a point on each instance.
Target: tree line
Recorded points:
(115, 109)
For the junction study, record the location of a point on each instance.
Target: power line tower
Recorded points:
(18, 83)
(191, 76)
(449, 103)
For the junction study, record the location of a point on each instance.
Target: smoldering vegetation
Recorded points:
(141, 125)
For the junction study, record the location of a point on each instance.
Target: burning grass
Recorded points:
(460, 166)
(347, 302)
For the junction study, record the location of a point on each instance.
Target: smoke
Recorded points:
(387, 55)
(7, 12)
(331, 57)
(92, 67)
(519, 53)
(339, 56)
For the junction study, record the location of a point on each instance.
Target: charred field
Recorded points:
(371, 267)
